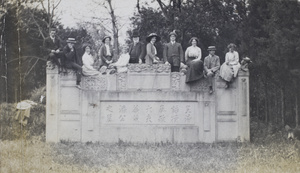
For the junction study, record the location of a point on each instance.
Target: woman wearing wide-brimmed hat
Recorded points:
(151, 51)
(106, 52)
(193, 61)
(231, 66)
(88, 62)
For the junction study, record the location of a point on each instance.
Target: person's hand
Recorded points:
(209, 72)
(52, 51)
(167, 63)
(57, 51)
(140, 61)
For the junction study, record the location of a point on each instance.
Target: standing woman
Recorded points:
(88, 62)
(151, 51)
(231, 66)
(193, 61)
(106, 51)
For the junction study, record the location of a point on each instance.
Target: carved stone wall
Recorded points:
(148, 103)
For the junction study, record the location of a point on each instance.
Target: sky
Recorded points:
(71, 12)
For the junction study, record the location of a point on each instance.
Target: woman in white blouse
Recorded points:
(193, 61)
(231, 66)
(88, 62)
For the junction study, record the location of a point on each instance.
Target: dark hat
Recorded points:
(135, 34)
(247, 59)
(211, 48)
(52, 29)
(103, 40)
(173, 33)
(71, 40)
(148, 39)
(194, 38)
(231, 45)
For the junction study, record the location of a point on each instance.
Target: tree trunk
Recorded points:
(266, 103)
(296, 105)
(282, 105)
(114, 28)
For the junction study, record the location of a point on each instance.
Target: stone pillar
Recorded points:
(243, 106)
(52, 100)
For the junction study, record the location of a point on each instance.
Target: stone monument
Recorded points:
(146, 104)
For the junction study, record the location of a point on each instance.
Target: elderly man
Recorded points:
(136, 49)
(72, 60)
(211, 66)
(173, 53)
(52, 47)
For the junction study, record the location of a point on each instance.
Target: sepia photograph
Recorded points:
(149, 86)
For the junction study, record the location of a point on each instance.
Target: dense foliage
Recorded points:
(266, 31)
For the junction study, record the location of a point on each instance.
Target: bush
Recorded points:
(36, 94)
(11, 129)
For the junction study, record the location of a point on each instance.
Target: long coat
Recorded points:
(150, 49)
(71, 57)
(173, 53)
(50, 45)
(212, 63)
(103, 56)
(139, 51)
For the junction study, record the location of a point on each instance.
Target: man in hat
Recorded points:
(72, 60)
(52, 47)
(173, 53)
(136, 49)
(106, 52)
(211, 66)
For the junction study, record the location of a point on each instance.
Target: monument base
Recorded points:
(146, 104)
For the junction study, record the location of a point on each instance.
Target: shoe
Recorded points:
(226, 86)
(78, 86)
(210, 91)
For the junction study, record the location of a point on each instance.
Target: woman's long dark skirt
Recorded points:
(194, 70)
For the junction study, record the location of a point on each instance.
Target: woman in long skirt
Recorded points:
(193, 61)
(231, 66)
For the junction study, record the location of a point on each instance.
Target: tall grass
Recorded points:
(11, 129)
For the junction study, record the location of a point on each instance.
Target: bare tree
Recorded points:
(107, 4)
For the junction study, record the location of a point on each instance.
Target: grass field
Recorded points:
(271, 154)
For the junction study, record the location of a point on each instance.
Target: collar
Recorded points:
(173, 42)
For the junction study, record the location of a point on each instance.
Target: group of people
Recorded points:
(173, 55)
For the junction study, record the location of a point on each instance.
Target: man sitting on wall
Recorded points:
(52, 46)
(72, 60)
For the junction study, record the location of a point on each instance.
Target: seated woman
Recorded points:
(193, 61)
(231, 66)
(121, 64)
(88, 61)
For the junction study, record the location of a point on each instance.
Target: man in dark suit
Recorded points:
(173, 53)
(72, 60)
(52, 47)
(136, 49)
